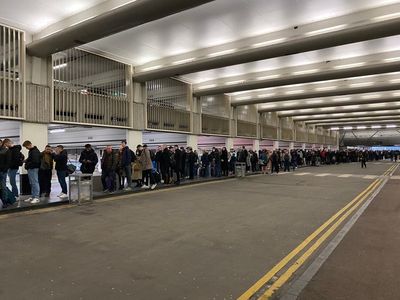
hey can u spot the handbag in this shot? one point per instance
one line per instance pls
(70, 168)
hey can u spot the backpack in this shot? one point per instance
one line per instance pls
(10, 200)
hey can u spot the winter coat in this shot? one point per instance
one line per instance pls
(33, 160)
(17, 158)
(4, 159)
(126, 157)
(88, 167)
(145, 159)
(61, 161)
(109, 161)
(46, 161)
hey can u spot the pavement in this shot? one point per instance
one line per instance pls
(212, 240)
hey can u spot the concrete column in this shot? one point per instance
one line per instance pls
(229, 143)
(191, 141)
(36, 133)
(303, 146)
(291, 145)
(134, 138)
(276, 145)
(256, 145)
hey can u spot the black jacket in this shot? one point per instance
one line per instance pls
(108, 162)
(178, 159)
(16, 157)
(88, 167)
(61, 161)
(4, 159)
(33, 160)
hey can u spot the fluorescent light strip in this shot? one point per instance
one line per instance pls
(397, 80)
(326, 30)
(387, 17)
(391, 126)
(371, 96)
(361, 84)
(268, 77)
(392, 59)
(314, 101)
(60, 66)
(343, 99)
(326, 88)
(234, 82)
(376, 126)
(334, 128)
(294, 92)
(361, 127)
(151, 68)
(243, 98)
(266, 95)
(347, 128)
(305, 72)
(347, 66)
(183, 61)
(268, 43)
(208, 86)
(223, 52)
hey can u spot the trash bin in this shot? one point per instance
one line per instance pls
(240, 169)
(80, 188)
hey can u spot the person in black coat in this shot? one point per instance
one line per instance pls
(88, 160)
(191, 158)
(61, 159)
(4, 165)
(178, 161)
(165, 164)
(16, 161)
(32, 165)
(224, 161)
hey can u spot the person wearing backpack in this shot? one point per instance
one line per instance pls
(16, 161)
(32, 165)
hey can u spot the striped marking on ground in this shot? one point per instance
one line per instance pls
(323, 174)
(395, 177)
(370, 176)
(302, 174)
(345, 175)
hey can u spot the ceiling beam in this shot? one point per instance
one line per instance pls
(378, 68)
(331, 116)
(330, 103)
(354, 119)
(107, 23)
(360, 123)
(318, 94)
(354, 34)
(338, 110)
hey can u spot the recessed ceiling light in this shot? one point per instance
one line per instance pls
(268, 77)
(325, 30)
(152, 68)
(268, 106)
(392, 59)
(361, 127)
(359, 113)
(377, 105)
(294, 92)
(347, 128)
(391, 126)
(288, 104)
(305, 72)
(360, 84)
(359, 64)
(183, 61)
(386, 17)
(396, 94)
(351, 106)
(376, 126)
(327, 108)
(208, 86)
(267, 43)
(397, 80)
(326, 88)
(334, 128)
(223, 52)
(342, 99)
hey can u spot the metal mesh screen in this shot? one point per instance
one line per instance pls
(11, 72)
(214, 125)
(269, 132)
(167, 105)
(89, 89)
(217, 105)
(246, 129)
(38, 103)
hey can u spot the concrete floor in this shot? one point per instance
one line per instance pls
(208, 241)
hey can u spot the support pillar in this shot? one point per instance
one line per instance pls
(36, 133)
(276, 145)
(134, 138)
(291, 145)
(229, 143)
(303, 146)
(256, 145)
(192, 141)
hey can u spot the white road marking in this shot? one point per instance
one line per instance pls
(323, 174)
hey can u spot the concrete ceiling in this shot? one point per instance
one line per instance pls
(310, 59)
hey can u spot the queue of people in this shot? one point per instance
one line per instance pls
(125, 169)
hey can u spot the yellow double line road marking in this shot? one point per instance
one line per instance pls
(346, 211)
